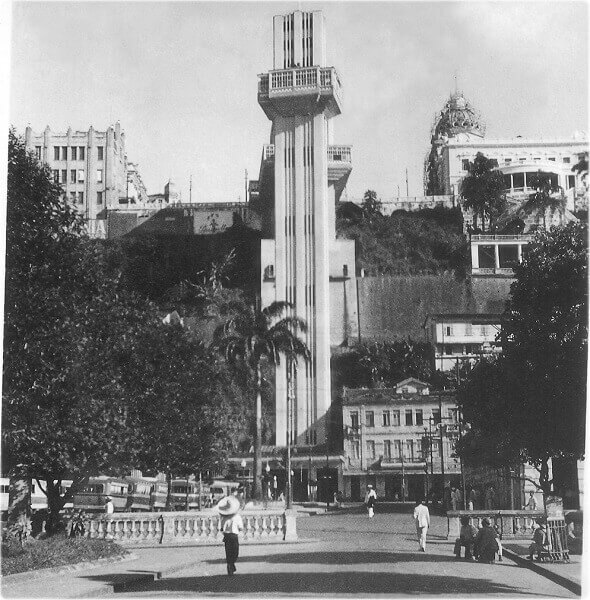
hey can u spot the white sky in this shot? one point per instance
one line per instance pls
(182, 79)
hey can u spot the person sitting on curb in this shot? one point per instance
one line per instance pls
(466, 539)
(539, 543)
(486, 544)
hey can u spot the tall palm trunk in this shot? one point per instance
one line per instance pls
(257, 483)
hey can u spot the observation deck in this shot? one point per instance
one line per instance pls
(300, 90)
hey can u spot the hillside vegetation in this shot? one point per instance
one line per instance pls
(427, 241)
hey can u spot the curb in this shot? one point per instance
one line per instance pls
(570, 585)
(15, 578)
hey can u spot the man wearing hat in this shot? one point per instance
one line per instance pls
(370, 500)
(231, 525)
(486, 544)
(539, 543)
(109, 508)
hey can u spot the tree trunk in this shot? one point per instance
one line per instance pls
(544, 481)
(168, 489)
(19, 505)
(257, 481)
(54, 505)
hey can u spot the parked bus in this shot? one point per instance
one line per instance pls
(92, 497)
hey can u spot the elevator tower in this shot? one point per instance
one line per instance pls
(301, 96)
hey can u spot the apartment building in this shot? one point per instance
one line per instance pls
(401, 440)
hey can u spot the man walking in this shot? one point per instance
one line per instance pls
(422, 521)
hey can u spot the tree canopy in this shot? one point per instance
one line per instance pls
(531, 402)
(93, 381)
(483, 190)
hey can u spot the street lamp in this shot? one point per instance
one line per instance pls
(243, 465)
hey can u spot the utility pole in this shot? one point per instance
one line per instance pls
(190, 190)
(407, 186)
(246, 185)
(442, 448)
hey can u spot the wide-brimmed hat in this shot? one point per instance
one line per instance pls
(229, 505)
(369, 486)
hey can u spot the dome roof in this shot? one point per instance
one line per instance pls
(458, 116)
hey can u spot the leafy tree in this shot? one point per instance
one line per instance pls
(547, 197)
(252, 337)
(483, 190)
(531, 402)
(371, 206)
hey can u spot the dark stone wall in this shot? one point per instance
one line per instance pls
(395, 306)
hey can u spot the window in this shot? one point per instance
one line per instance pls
(73, 176)
(80, 197)
(98, 198)
(395, 418)
(55, 175)
(269, 272)
(465, 164)
(552, 158)
(469, 329)
(64, 176)
(345, 270)
(571, 181)
(100, 152)
(507, 161)
(566, 159)
(447, 349)
(81, 152)
(73, 197)
(98, 175)
(419, 417)
(409, 417)
(64, 153)
(386, 420)
(410, 449)
(74, 152)
(370, 449)
(81, 175)
(370, 418)
(4, 489)
(355, 451)
(484, 330)
(354, 420)
(397, 449)
(386, 449)
(436, 416)
(38, 152)
(448, 330)
(55, 152)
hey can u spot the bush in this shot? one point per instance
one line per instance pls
(54, 551)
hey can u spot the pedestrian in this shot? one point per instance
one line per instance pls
(473, 499)
(486, 544)
(466, 539)
(422, 521)
(109, 507)
(454, 503)
(539, 543)
(231, 525)
(370, 499)
(531, 504)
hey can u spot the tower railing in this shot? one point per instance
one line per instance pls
(335, 153)
(299, 79)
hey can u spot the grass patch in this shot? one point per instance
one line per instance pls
(55, 551)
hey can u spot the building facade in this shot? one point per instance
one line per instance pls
(91, 166)
(462, 338)
(400, 440)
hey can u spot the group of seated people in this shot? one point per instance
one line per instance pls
(480, 544)
(484, 544)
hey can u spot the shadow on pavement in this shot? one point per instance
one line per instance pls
(332, 584)
(342, 558)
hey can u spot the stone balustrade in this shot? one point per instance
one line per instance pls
(196, 528)
(512, 524)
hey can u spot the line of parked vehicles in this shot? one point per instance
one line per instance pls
(135, 493)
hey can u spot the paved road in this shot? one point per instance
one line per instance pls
(353, 556)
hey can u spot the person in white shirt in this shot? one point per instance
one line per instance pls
(231, 525)
(422, 521)
(109, 508)
(370, 499)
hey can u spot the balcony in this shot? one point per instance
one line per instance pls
(339, 157)
(288, 92)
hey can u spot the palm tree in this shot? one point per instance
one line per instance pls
(483, 190)
(251, 337)
(546, 196)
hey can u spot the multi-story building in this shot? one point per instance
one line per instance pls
(460, 338)
(91, 167)
(401, 440)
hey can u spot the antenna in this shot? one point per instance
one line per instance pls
(190, 188)
(456, 86)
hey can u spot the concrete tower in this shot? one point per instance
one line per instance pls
(300, 96)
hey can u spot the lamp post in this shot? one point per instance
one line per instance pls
(243, 465)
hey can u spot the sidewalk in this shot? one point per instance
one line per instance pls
(567, 574)
(149, 564)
